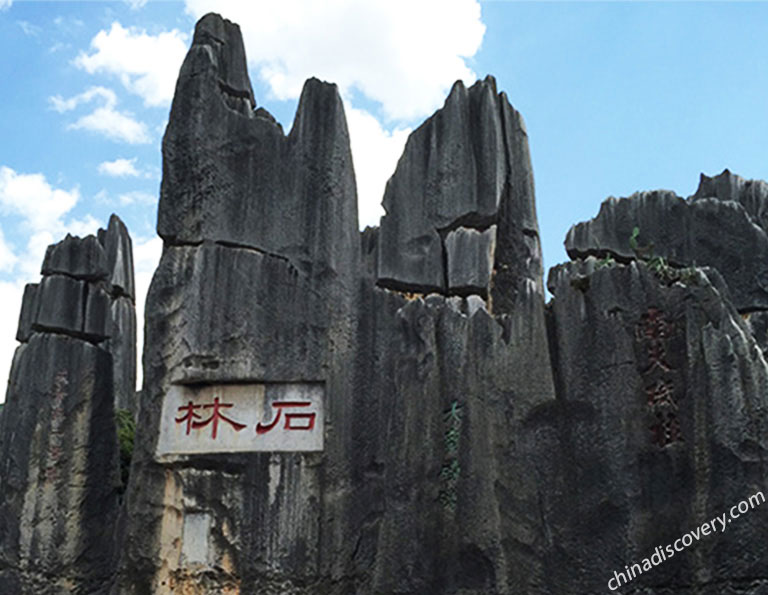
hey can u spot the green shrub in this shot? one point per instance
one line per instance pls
(126, 432)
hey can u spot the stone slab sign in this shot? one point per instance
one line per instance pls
(252, 417)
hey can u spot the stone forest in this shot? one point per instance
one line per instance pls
(402, 410)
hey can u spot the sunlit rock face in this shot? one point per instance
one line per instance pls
(59, 473)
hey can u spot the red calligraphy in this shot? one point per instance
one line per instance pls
(290, 418)
(216, 415)
(661, 394)
(191, 417)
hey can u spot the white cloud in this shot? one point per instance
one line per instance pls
(114, 125)
(5, 4)
(57, 47)
(42, 212)
(7, 256)
(136, 4)
(375, 153)
(68, 23)
(401, 53)
(104, 120)
(146, 256)
(146, 65)
(34, 199)
(29, 29)
(62, 105)
(137, 197)
(119, 168)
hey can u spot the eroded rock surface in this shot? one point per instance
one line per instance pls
(476, 441)
(718, 230)
(262, 279)
(463, 172)
(661, 425)
(59, 475)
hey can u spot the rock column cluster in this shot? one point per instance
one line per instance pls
(475, 440)
(59, 468)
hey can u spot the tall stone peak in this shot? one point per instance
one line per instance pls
(118, 250)
(76, 365)
(460, 206)
(224, 162)
(222, 38)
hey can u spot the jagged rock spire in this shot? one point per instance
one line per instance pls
(59, 476)
(460, 211)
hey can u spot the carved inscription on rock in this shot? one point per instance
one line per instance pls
(56, 432)
(254, 417)
(661, 383)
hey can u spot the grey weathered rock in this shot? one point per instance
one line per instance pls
(660, 425)
(122, 345)
(468, 165)
(758, 324)
(82, 259)
(285, 195)
(469, 259)
(59, 469)
(704, 231)
(118, 250)
(474, 440)
(262, 280)
(262, 262)
(72, 307)
(29, 308)
(751, 194)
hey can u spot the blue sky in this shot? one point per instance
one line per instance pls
(617, 97)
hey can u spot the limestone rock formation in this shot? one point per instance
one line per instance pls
(474, 441)
(706, 230)
(465, 173)
(397, 411)
(660, 425)
(262, 281)
(751, 194)
(59, 477)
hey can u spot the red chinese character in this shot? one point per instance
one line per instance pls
(661, 393)
(216, 416)
(667, 428)
(654, 326)
(189, 416)
(289, 417)
(656, 355)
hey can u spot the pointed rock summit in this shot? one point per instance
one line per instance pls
(233, 177)
(460, 211)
